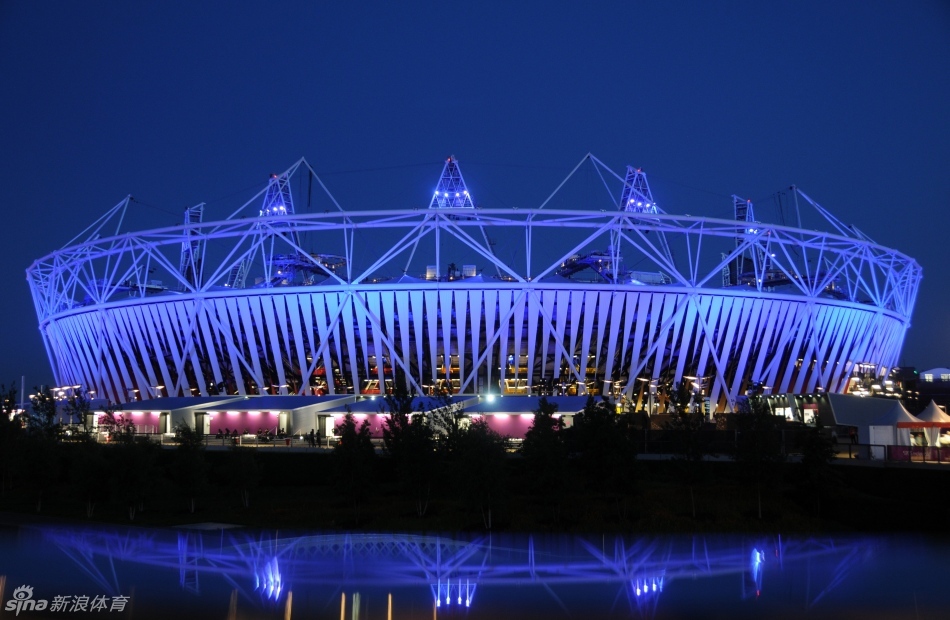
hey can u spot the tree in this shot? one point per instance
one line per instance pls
(89, 473)
(410, 443)
(118, 428)
(41, 419)
(354, 460)
(478, 465)
(189, 468)
(758, 444)
(690, 445)
(133, 472)
(680, 397)
(448, 423)
(818, 452)
(79, 406)
(605, 446)
(11, 430)
(545, 454)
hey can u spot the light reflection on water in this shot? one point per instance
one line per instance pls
(271, 574)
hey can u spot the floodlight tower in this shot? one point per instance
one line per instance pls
(637, 198)
(451, 191)
(755, 261)
(192, 250)
(278, 204)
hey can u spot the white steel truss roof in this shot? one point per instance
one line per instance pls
(117, 313)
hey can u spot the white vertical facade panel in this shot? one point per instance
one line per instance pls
(445, 313)
(662, 327)
(590, 307)
(387, 302)
(320, 311)
(504, 321)
(745, 338)
(800, 331)
(808, 347)
(630, 309)
(432, 333)
(280, 311)
(173, 343)
(563, 301)
(249, 341)
(401, 301)
(577, 307)
(238, 351)
(781, 333)
(548, 355)
(336, 304)
(517, 323)
(292, 306)
(603, 310)
(475, 315)
(347, 326)
(375, 326)
(134, 317)
(703, 305)
(461, 313)
(686, 339)
(533, 311)
(616, 321)
(356, 302)
(763, 336)
(418, 311)
(188, 315)
(653, 353)
(212, 346)
(491, 303)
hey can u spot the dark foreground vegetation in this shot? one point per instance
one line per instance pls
(446, 472)
(297, 491)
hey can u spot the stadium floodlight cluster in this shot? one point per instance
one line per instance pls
(463, 299)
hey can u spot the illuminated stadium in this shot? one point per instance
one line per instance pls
(596, 293)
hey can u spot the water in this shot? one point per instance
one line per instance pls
(237, 573)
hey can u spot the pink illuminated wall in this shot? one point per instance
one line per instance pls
(514, 425)
(376, 423)
(242, 420)
(144, 421)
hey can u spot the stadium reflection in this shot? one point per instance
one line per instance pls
(240, 573)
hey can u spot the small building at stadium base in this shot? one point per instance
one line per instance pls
(277, 415)
(162, 415)
(374, 410)
(512, 416)
(878, 422)
(509, 416)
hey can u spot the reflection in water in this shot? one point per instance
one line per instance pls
(271, 573)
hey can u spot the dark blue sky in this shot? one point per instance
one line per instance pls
(182, 102)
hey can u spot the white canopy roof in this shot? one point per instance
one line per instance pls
(934, 416)
(897, 416)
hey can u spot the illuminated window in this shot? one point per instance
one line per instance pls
(945, 377)
(928, 377)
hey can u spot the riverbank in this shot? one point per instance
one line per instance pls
(299, 491)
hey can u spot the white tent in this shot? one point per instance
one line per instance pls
(935, 420)
(893, 428)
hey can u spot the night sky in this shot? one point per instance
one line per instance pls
(178, 103)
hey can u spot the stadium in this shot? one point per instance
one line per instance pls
(604, 293)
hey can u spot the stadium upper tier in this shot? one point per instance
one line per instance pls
(625, 299)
